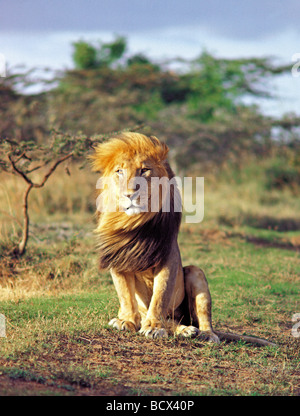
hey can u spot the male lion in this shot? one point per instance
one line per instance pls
(140, 247)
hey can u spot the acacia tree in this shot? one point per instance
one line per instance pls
(22, 158)
(87, 56)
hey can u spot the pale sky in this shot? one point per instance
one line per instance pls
(230, 18)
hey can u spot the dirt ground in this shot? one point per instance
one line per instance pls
(132, 366)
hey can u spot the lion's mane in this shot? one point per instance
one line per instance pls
(140, 242)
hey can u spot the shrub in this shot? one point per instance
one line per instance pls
(280, 174)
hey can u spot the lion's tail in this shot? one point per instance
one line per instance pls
(227, 336)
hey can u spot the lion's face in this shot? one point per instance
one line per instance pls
(133, 186)
(130, 167)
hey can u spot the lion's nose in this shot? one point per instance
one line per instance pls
(130, 195)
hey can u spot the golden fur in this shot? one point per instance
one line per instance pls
(141, 249)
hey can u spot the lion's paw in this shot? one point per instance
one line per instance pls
(209, 336)
(122, 325)
(154, 333)
(188, 331)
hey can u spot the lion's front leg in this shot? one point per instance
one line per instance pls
(129, 317)
(153, 326)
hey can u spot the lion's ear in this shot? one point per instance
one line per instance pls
(162, 148)
(155, 140)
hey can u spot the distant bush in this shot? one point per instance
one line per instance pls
(87, 56)
(280, 174)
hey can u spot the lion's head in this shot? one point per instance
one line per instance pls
(134, 228)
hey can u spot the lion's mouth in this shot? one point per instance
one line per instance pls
(133, 207)
(132, 210)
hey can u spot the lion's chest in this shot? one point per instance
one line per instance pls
(145, 278)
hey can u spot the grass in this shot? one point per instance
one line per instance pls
(57, 304)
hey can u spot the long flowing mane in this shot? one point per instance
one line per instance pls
(136, 244)
(139, 249)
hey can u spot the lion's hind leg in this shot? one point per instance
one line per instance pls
(199, 305)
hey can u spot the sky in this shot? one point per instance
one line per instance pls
(39, 33)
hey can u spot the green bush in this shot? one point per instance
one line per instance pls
(280, 174)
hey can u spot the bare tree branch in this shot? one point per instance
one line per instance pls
(18, 171)
(37, 167)
(23, 242)
(52, 169)
(31, 185)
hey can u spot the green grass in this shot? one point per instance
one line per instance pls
(263, 279)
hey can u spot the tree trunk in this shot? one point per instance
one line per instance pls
(23, 242)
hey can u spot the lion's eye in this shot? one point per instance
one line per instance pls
(119, 171)
(144, 170)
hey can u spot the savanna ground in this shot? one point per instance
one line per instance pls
(57, 304)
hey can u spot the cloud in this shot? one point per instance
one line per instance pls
(189, 42)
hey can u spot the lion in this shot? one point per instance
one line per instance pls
(140, 246)
(156, 293)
